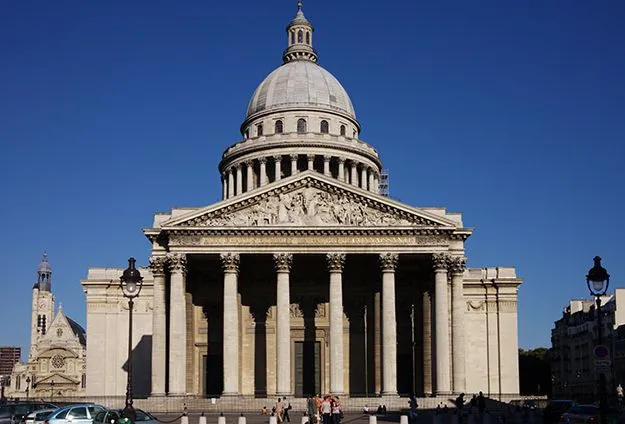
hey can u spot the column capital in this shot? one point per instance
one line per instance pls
(158, 265)
(283, 261)
(388, 261)
(230, 262)
(341, 160)
(262, 160)
(441, 261)
(277, 158)
(177, 262)
(237, 166)
(294, 156)
(457, 264)
(310, 157)
(249, 163)
(335, 261)
(327, 158)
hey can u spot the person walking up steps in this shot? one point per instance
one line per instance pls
(286, 405)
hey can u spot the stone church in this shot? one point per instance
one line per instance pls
(305, 278)
(56, 365)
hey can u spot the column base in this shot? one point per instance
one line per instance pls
(230, 394)
(444, 393)
(389, 393)
(157, 394)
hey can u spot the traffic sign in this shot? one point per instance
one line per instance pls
(601, 352)
(603, 366)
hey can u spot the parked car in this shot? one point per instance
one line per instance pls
(82, 413)
(38, 417)
(554, 410)
(13, 413)
(111, 416)
(588, 414)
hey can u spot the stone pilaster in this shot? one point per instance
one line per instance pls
(456, 267)
(441, 323)
(277, 161)
(159, 330)
(336, 261)
(388, 263)
(230, 263)
(177, 324)
(283, 262)
(224, 187)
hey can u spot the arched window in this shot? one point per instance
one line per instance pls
(301, 125)
(279, 128)
(343, 130)
(292, 37)
(324, 127)
(308, 38)
(300, 36)
(259, 130)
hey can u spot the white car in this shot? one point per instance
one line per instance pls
(38, 417)
(75, 414)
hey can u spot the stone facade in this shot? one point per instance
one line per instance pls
(56, 364)
(304, 278)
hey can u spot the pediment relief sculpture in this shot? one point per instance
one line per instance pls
(309, 206)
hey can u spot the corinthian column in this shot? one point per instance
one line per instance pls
(263, 171)
(277, 160)
(341, 175)
(388, 263)
(335, 266)
(159, 330)
(230, 183)
(326, 165)
(283, 263)
(354, 174)
(230, 264)
(250, 175)
(239, 168)
(177, 324)
(294, 164)
(441, 323)
(457, 265)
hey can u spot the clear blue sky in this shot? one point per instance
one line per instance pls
(511, 112)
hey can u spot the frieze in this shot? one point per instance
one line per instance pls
(505, 306)
(312, 240)
(309, 206)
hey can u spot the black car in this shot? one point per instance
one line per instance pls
(555, 409)
(13, 413)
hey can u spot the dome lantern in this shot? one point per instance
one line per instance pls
(299, 38)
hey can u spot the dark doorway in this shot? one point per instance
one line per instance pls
(307, 368)
(213, 375)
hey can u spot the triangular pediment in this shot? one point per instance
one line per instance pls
(306, 200)
(56, 379)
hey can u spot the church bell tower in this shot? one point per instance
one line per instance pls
(42, 305)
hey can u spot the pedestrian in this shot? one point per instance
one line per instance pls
(336, 411)
(473, 403)
(459, 403)
(413, 408)
(326, 410)
(286, 405)
(481, 403)
(279, 410)
(310, 410)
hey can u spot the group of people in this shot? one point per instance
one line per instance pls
(326, 410)
(477, 401)
(280, 410)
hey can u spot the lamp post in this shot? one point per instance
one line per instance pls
(598, 281)
(130, 283)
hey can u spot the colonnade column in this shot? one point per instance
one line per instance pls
(230, 183)
(457, 266)
(250, 174)
(177, 325)
(388, 262)
(224, 187)
(354, 174)
(283, 263)
(441, 323)
(159, 330)
(371, 180)
(326, 165)
(293, 164)
(341, 169)
(263, 171)
(239, 168)
(277, 160)
(311, 159)
(363, 178)
(335, 266)
(230, 264)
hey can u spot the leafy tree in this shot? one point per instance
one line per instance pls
(535, 371)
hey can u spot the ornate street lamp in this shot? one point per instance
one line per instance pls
(130, 283)
(598, 281)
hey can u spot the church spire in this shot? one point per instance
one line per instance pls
(44, 274)
(299, 32)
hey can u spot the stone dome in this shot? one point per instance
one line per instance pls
(300, 84)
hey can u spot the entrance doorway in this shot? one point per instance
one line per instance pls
(307, 368)
(213, 375)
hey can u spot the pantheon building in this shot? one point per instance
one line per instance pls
(306, 277)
